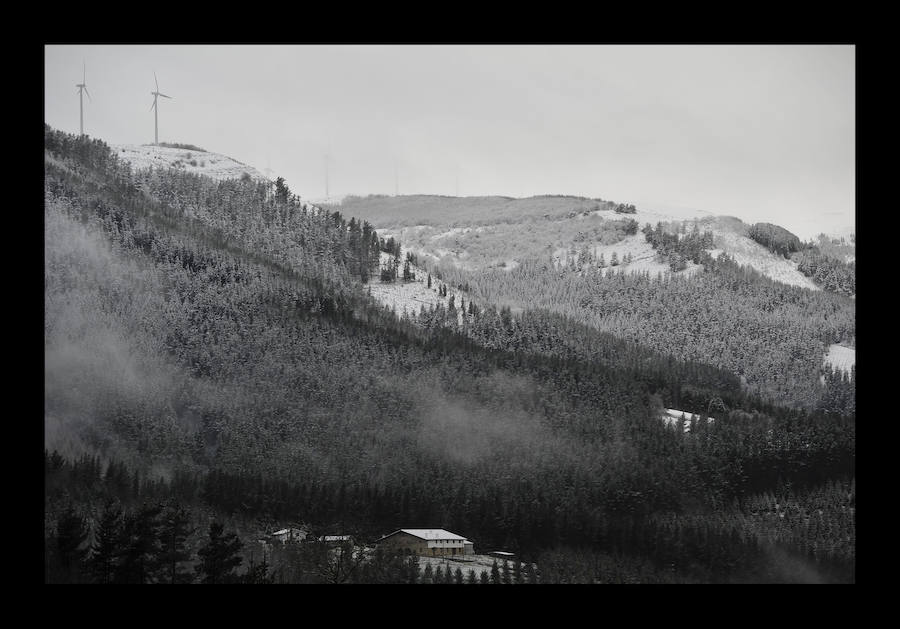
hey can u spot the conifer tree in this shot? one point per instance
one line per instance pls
(140, 546)
(517, 571)
(458, 576)
(71, 533)
(106, 549)
(257, 573)
(495, 574)
(428, 574)
(530, 574)
(219, 556)
(412, 569)
(174, 533)
(483, 578)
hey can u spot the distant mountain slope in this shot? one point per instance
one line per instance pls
(206, 163)
(400, 211)
(385, 211)
(501, 232)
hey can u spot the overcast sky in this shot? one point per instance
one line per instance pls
(766, 133)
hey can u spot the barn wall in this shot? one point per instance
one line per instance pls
(405, 541)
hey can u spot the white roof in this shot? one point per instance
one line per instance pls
(287, 531)
(430, 534)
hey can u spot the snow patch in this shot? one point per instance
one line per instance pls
(840, 357)
(672, 416)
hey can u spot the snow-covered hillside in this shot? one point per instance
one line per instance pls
(730, 238)
(504, 245)
(411, 296)
(747, 251)
(200, 162)
(643, 257)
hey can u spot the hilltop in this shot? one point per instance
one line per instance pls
(191, 160)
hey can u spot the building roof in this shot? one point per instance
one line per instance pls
(429, 534)
(288, 531)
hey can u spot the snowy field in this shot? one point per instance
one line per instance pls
(213, 165)
(466, 563)
(672, 416)
(840, 357)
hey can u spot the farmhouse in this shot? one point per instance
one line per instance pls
(427, 542)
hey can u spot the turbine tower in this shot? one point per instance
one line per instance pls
(156, 110)
(82, 90)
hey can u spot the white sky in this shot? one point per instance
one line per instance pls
(766, 133)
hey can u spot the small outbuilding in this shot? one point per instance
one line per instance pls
(502, 554)
(290, 535)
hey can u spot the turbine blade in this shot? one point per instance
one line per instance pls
(153, 104)
(83, 72)
(88, 93)
(157, 82)
(164, 96)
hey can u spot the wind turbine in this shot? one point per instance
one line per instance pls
(156, 110)
(82, 90)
